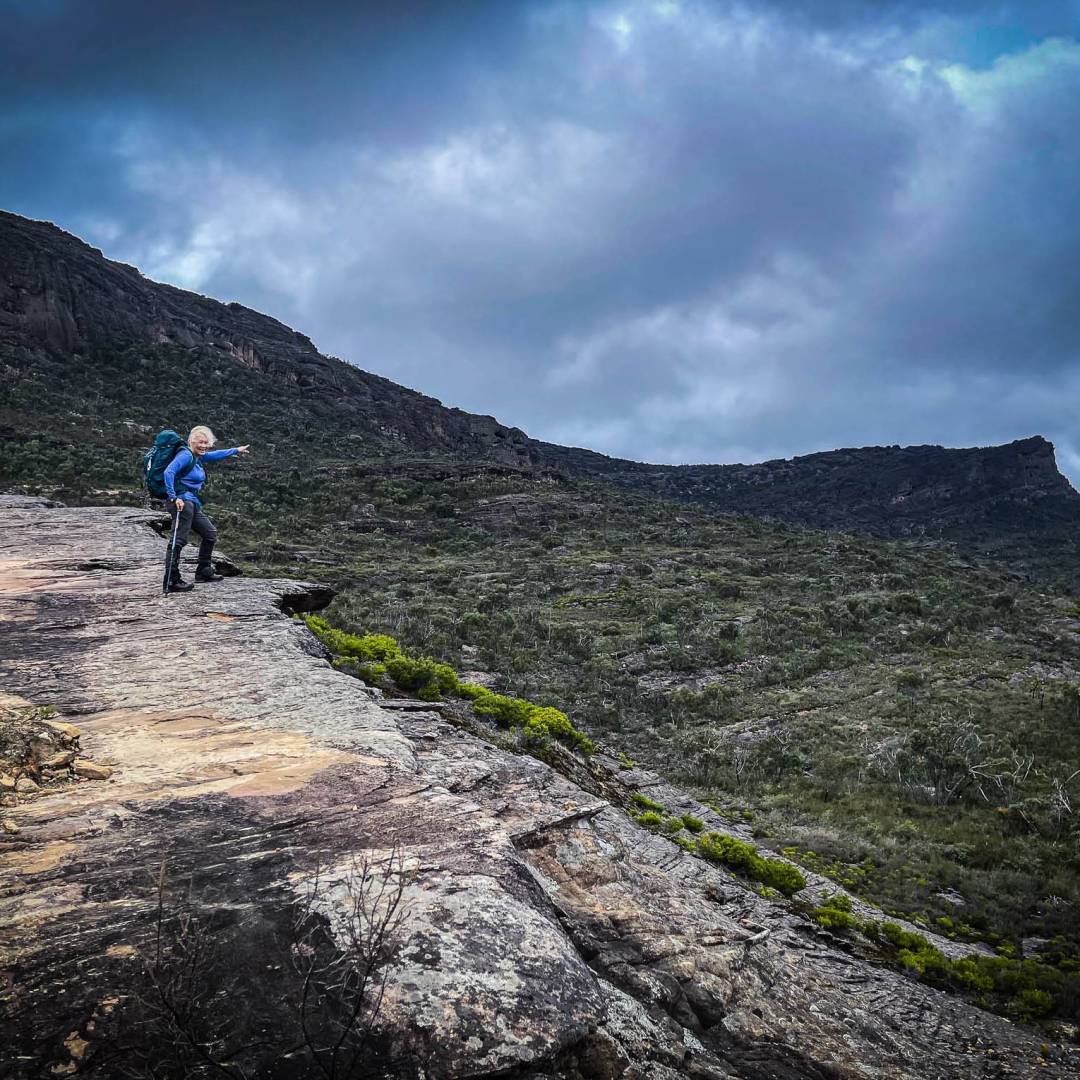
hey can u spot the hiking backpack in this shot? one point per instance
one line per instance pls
(156, 460)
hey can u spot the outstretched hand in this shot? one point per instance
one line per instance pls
(243, 449)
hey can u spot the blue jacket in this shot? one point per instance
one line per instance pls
(188, 487)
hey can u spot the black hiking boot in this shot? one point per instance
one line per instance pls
(205, 572)
(176, 582)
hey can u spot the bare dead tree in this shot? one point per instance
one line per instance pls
(1003, 777)
(1036, 689)
(941, 759)
(741, 757)
(883, 757)
(190, 1013)
(1062, 802)
(179, 1028)
(342, 982)
(706, 750)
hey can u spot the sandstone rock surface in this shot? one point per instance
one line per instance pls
(542, 932)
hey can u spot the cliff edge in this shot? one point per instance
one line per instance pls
(255, 790)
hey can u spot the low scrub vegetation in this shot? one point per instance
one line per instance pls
(903, 718)
(743, 857)
(834, 913)
(1024, 989)
(376, 658)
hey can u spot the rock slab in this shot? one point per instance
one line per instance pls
(540, 931)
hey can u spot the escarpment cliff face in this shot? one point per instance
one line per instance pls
(64, 309)
(265, 809)
(61, 297)
(65, 295)
(985, 493)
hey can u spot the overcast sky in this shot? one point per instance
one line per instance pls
(670, 231)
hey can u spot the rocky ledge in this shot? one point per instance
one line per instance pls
(269, 830)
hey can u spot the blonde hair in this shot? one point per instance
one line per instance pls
(201, 429)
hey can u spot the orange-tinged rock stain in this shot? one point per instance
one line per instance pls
(178, 753)
(158, 757)
(174, 755)
(35, 860)
(19, 577)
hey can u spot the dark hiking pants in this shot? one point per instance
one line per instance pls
(192, 518)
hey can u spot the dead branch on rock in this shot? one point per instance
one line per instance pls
(342, 982)
(183, 1024)
(212, 999)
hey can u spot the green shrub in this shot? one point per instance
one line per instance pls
(380, 656)
(650, 820)
(470, 691)
(907, 941)
(426, 677)
(542, 724)
(638, 799)
(368, 647)
(692, 824)
(969, 975)
(371, 672)
(870, 929)
(834, 913)
(911, 960)
(900, 938)
(783, 877)
(379, 647)
(506, 711)
(831, 919)
(742, 857)
(537, 724)
(1033, 1004)
(838, 902)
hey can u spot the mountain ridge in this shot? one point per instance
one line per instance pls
(64, 297)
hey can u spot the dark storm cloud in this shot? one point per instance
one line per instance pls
(670, 231)
(275, 63)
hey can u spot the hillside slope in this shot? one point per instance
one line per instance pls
(82, 335)
(172, 917)
(62, 300)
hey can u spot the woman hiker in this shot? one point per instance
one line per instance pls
(184, 479)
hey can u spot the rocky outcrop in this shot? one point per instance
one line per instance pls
(61, 297)
(39, 754)
(66, 296)
(985, 493)
(540, 931)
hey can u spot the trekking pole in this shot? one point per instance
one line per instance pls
(169, 551)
